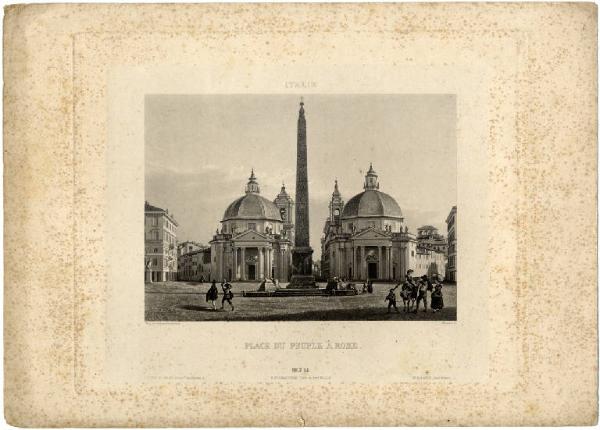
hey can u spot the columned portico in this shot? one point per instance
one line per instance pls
(256, 261)
(368, 257)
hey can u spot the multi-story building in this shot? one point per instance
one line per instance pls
(160, 243)
(451, 268)
(429, 238)
(195, 265)
(366, 239)
(187, 247)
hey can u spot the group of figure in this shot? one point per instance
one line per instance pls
(417, 290)
(213, 294)
(339, 284)
(344, 284)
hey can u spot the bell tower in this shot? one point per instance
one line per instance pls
(336, 206)
(285, 204)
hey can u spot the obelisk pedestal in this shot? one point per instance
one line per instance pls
(302, 276)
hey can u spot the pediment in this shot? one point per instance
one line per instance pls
(370, 233)
(251, 235)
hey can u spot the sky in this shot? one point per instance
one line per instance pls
(199, 150)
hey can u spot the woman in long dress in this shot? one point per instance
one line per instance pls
(437, 298)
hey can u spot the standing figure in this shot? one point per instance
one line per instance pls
(391, 299)
(422, 295)
(429, 290)
(212, 294)
(437, 298)
(370, 286)
(227, 294)
(413, 288)
(405, 294)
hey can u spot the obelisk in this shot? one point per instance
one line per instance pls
(302, 276)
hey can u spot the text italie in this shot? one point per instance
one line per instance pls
(300, 84)
(301, 345)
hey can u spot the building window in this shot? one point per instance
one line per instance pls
(412, 253)
(155, 261)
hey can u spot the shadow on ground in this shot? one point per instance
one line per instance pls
(196, 308)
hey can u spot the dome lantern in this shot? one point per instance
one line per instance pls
(252, 186)
(371, 182)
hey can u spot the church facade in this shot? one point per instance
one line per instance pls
(366, 238)
(255, 238)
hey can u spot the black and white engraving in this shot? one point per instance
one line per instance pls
(387, 251)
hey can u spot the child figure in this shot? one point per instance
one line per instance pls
(437, 298)
(391, 299)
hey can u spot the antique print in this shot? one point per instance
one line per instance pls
(279, 207)
(354, 215)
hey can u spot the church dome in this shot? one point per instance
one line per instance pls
(252, 205)
(372, 202)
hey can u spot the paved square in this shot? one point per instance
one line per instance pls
(185, 301)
